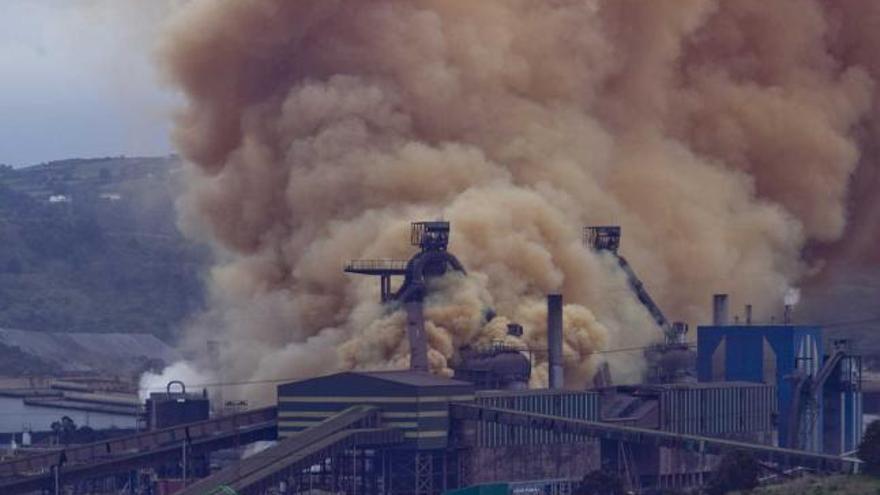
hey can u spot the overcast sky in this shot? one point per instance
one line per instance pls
(77, 79)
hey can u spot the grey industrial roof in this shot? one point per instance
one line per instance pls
(414, 378)
(532, 391)
(371, 383)
(705, 385)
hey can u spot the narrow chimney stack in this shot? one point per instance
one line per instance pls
(719, 310)
(554, 339)
(787, 314)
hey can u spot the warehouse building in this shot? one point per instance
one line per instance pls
(416, 402)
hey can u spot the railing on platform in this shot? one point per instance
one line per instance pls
(376, 266)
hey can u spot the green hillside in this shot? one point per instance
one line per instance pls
(841, 485)
(91, 245)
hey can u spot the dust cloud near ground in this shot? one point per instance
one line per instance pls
(721, 135)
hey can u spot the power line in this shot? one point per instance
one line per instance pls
(288, 379)
(688, 345)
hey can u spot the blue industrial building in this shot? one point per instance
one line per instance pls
(818, 392)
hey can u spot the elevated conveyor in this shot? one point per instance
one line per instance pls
(806, 394)
(606, 238)
(356, 426)
(144, 449)
(693, 443)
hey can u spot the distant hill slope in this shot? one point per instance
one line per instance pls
(91, 245)
(120, 354)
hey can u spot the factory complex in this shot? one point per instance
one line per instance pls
(779, 391)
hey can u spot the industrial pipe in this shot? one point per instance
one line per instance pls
(719, 310)
(418, 342)
(554, 339)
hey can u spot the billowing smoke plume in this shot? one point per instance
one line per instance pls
(721, 135)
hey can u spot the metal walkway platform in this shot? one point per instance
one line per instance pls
(377, 267)
(692, 443)
(356, 426)
(92, 460)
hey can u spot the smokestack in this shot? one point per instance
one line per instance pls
(415, 330)
(792, 296)
(719, 310)
(748, 314)
(554, 339)
(214, 360)
(786, 315)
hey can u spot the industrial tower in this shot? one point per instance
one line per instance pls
(431, 262)
(669, 360)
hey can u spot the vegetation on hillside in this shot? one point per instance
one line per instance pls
(600, 483)
(738, 470)
(831, 485)
(91, 246)
(869, 449)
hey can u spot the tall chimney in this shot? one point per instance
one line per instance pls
(415, 330)
(554, 339)
(748, 314)
(786, 315)
(217, 404)
(719, 310)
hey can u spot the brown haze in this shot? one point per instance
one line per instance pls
(722, 136)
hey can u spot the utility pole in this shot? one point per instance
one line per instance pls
(57, 467)
(183, 455)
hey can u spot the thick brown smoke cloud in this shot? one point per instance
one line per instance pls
(721, 135)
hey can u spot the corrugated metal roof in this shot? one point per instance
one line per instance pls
(375, 383)
(532, 391)
(706, 385)
(77, 405)
(414, 378)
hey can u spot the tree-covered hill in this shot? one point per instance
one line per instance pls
(91, 245)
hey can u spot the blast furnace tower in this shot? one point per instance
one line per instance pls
(432, 261)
